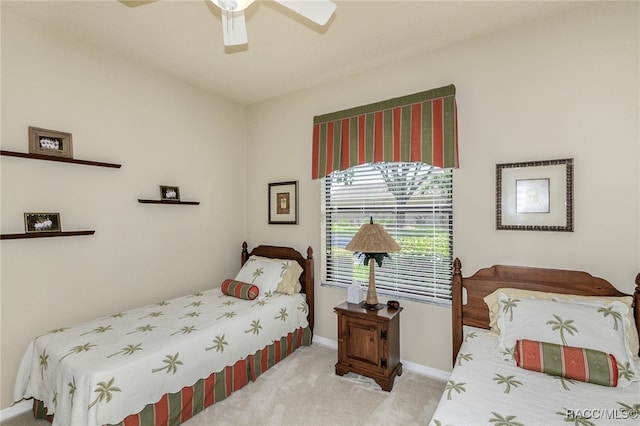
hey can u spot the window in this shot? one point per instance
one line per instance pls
(414, 202)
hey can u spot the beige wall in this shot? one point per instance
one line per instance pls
(564, 86)
(162, 132)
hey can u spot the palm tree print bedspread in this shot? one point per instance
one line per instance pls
(485, 389)
(100, 371)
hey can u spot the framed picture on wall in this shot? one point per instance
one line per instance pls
(50, 142)
(535, 196)
(169, 193)
(42, 222)
(283, 203)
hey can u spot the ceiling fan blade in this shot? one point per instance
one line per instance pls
(234, 28)
(318, 11)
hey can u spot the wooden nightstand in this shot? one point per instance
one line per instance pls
(369, 343)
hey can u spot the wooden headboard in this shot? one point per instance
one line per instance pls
(476, 313)
(277, 252)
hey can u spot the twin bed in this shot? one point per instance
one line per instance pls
(161, 364)
(500, 317)
(573, 338)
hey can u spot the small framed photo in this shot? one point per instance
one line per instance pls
(50, 142)
(169, 193)
(283, 203)
(42, 222)
(535, 196)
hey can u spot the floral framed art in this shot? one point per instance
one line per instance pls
(535, 196)
(283, 203)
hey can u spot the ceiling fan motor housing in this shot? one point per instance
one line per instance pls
(230, 5)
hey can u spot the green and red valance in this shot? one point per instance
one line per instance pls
(416, 128)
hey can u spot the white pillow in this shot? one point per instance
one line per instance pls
(632, 331)
(263, 272)
(571, 324)
(601, 301)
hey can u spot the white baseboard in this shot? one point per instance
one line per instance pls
(325, 342)
(16, 409)
(434, 373)
(412, 366)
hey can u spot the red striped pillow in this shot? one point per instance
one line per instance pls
(585, 365)
(239, 289)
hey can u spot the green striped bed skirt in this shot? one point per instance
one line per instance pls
(176, 408)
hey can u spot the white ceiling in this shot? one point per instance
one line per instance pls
(183, 38)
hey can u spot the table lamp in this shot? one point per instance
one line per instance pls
(372, 241)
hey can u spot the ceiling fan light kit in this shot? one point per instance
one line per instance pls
(230, 5)
(234, 28)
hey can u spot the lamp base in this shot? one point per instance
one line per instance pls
(371, 307)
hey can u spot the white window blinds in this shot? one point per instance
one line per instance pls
(414, 202)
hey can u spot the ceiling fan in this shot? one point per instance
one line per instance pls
(234, 28)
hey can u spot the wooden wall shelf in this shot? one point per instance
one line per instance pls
(59, 159)
(45, 234)
(190, 203)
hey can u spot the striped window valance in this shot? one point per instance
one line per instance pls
(416, 128)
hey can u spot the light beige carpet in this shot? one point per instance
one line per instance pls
(304, 390)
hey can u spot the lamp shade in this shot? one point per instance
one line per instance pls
(372, 238)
